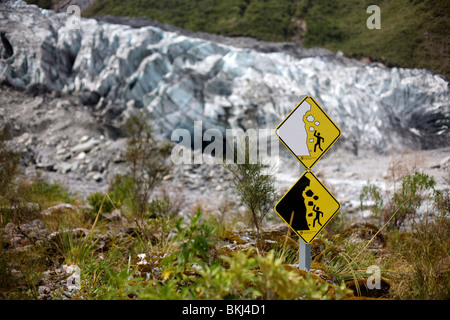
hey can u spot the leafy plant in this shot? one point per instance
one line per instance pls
(46, 193)
(260, 277)
(374, 193)
(404, 203)
(8, 173)
(255, 187)
(100, 203)
(161, 208)
(147, 158)
(194, 239)
(233, 282)
(121, 285)
(413, 192)
(121, 191)
(420, 260)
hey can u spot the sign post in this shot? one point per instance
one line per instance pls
(304, 256)
(308, 133)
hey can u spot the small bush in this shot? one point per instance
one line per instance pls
(160, 208)
(20, 200)
(254, 186)
(147, 158)
(373, 193)
(46, 193)
(403, 205)
(195, 239)
(421, 261)
(121, 191)
(6, 280)
(414, 190)
(419, 255)
(99, 201)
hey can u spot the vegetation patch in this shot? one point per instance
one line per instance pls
(413, 34)
(58, 247)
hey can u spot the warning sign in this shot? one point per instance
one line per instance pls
(307, 207)
(308, 132)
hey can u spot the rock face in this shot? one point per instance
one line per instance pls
(182, 79)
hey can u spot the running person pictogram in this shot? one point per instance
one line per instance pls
(318, 141)
(318, 214)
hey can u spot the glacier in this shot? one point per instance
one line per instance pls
(182, 79)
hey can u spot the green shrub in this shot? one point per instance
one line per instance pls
(418, 256)
(404, 202)
(194, 238)
(374, 193)
(99, 201)
(247, 276)
(420, 261)
(121, 191)
(47, 194)
(147, 158)
(160, 208)
(414, 190)
(255, 187)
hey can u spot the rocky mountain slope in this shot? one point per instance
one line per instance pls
(79, 80)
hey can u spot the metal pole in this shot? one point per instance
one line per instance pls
(304, 250)
(304, 256)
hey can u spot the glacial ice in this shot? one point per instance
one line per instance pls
(182, 79)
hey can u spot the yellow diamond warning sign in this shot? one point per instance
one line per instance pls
(307, 207)
(308, 132)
